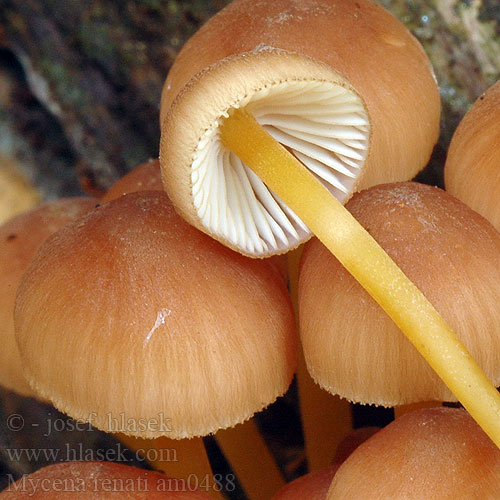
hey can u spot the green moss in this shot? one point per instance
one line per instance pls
(151, 4)
(17, 22)
(95, 41)
(489, 12)
(173, 8)
(62, 80)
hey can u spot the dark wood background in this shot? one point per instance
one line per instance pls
(80, 79)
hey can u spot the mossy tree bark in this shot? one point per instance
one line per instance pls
(93, 72)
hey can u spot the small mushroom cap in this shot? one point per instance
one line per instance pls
(452, 254)
(312, 486)
(131, 315)
(315, 485)
(434, 453)
(20, 238)
(145, 177)
(99, 481)
(352, 441)
(472, 170)
(284, 61)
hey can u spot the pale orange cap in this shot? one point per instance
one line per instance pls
(130, 316)
(144, 177)
(431, 454)
(100, 481)
(312, 486)
(20, 238)
(451, 253)
(472, 169)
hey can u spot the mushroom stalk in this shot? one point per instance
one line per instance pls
(189, 463)
(369, 264)
(326, 418)
(250, 458)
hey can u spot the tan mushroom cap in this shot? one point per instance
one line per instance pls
(472, 170)
(352, 441)
(312, 486)
(145, 177)
(20, 238)
(431, 454)
(322, 76)
(100, 481)
(315, 485)
(131, 314)
(352, 348)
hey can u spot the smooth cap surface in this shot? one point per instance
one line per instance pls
(432, 454)
(452, 254)
(472, 170)
(135, 321)
(99, 481)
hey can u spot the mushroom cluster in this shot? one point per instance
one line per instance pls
(167, 312)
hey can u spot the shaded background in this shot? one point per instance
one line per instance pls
(80, 84)
(80, 80)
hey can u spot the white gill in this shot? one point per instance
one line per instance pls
(323, 124)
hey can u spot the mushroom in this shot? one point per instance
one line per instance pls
(144, 177)
(325, 78)
(100, 481)
(239, 444)
(312, 486)
(315, 485)
(433, 453)
(326, 419)
(20, 237)
(352, 441)
(450, 252)
(472, 165)
(130, 314)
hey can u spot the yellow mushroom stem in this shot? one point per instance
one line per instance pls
(184, 459)
(369, 264)
(251, 460)
(326, 419)
(243, 446)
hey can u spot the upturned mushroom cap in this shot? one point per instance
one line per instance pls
(131, 315)
(99, 481)
(452, 254)
(435, 453)
(20, 238)
(472, 170)
(322, 77)
(145, 177)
